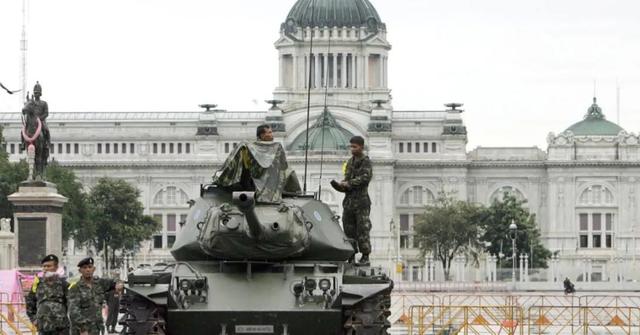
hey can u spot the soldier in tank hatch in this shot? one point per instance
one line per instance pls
(86, 297)
(356, 204)
(47, 300)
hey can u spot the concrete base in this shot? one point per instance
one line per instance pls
(38, 222)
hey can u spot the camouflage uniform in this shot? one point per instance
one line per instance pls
(356, 204)
(47, 305)
(85, 305)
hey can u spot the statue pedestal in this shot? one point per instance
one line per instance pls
(38, 222)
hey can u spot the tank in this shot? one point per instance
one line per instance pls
(256, 256)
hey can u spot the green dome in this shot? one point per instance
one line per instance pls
(333, 13)
(594, 124)
(335, 138)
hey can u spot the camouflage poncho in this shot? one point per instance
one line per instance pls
(261, 167)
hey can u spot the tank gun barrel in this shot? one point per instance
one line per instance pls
(245, 201)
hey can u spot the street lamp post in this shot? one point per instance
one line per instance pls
(513, 231)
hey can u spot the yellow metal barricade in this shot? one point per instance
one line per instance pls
(445, 320)
(583, 320)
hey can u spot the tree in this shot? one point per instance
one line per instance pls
(11, 174)
(496, 223)
(449, 228)
(75, 221)
(118, 217)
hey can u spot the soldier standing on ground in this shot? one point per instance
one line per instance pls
(47, 300)
(356, 204)
(85, 300)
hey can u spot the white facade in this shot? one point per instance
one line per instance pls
(583, 188)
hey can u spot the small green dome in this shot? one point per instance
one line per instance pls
(333, 13)
(595, 124)
(335, 138)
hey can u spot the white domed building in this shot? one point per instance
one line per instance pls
(584, 188)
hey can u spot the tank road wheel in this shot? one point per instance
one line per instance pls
(369, 317)
(141, 317)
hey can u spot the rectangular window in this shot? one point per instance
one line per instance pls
(584, 241)
(68, 148)
(171, 222)
(170, 148)
(171, 239)
(434, 147)
(52, 148)
(132, 148)
(226, 148)
(60, 148)
(187, 148)
(415, 275)
(596, 222)
(107, 148)
(597, 243)
(124, 148)
(76, 148)
(158, 218)
(609, 221)
(401, 147)
(13, 148)
(404, 222)
(425, 147)
(179, 148)
(609, 240)
(99, 148)
(404, 241)
(115, 148)
(408, 146)
(235, 145)
(584, 222)
(163, 148)
(157, 241)
(183, 219)
(155, 148)
(417, 147)
(416, 241)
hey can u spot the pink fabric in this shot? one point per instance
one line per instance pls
(10, 288)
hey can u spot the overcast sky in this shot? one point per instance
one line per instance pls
(522, 68)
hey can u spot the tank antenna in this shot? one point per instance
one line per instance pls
(306, 146)
(325, 111)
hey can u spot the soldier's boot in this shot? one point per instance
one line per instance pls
(364, 260)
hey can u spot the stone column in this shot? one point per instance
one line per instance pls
(281, 71)
(381, 63)
(344, 73)
(38, 222)
(294, 83)
(354, 78)
(317, 71)
(365, 77)
(326, 71)
(7, 245)
(335, 70)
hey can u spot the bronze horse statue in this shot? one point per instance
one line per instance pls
(35, 133)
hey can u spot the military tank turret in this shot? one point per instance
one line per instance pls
(256, 256)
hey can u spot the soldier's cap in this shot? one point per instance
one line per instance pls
(86, 261)
(49, 258)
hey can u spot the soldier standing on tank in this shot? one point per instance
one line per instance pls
(356, 204)
(85, 300)
(47, 300)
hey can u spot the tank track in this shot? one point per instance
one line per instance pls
(369, 317)
(141, 316)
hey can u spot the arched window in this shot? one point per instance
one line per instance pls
(416, 196)
(597, 195)
(498, 195)
(171, 196)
